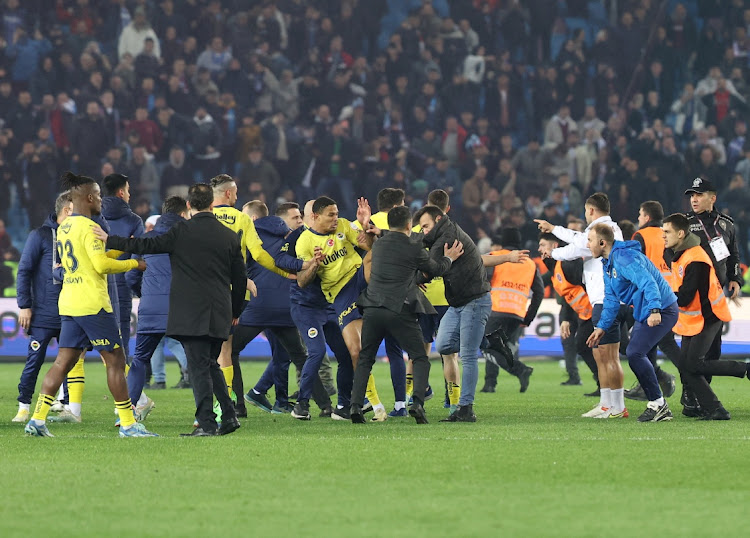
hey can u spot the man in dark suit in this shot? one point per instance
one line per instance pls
(391, 303)
(205, 299)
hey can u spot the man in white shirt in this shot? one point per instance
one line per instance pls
(612, 399)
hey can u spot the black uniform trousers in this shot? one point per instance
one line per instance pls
(202, 354)
(377, 322)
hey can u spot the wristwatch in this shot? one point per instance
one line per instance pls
(656, 310)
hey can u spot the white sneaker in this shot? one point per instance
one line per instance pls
(22, 416)
(142, 411)
(596, 411)
(57, 407)
(606, 414)
(65, 416)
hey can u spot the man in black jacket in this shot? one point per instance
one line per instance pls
(391, 303)
(205, 299)
(467, 291)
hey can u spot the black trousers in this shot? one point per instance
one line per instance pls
(512, 328)
(378, 322)
(202, 354)
(584, 330)
(292, 342)
(695, 365)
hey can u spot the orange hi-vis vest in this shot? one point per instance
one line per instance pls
(690, 321)
(653, 237)
(573, 294)
(511, 286)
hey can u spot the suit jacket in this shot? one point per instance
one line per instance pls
(393, 283)
(208, 274)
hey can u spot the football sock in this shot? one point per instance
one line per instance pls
(228, 372)
(454, 393)
(24, 406)
(606, 399)
(399, 405)
(409, 385)
(618, 399)
(125, 410)
(371, 393)
(659, 401)
(43, 403)
(76, 384)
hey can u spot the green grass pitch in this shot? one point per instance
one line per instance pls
(529, 467)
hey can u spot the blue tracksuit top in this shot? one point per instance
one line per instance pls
(153, 284)
(123, 223)
(271, 307)
(631, 278)
(35, 286)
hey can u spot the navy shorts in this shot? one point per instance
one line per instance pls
(612, 336)
(99, 331)
(429, 323)
(345, 303)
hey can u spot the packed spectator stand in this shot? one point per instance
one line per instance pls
(518, 109)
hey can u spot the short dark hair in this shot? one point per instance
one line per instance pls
(389, 198)
(113, 183)
(604, 232)
(548, 236)
(439, 198)
(654, 210)
(678, 222)
(63, 199)
(174, 204)
(321, 203)
(599, 201)
(430, 210)
(628, 228)
(286, 207)
(71, 181)
(200, 196)
(399, 218)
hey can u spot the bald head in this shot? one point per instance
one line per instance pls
(307, 216)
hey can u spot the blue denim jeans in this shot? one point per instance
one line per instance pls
(462, 330)
(158, 363)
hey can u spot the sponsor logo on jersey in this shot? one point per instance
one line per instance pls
(312, 332)
(346, 313)
(100, 342)
(34, 345)
(335, 255)
(229, 219)
(354, 226)
(330, 242)
(65, 226)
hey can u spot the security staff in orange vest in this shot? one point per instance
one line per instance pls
(511, 290)
(575, 315)
(651, 239)
(703, 308)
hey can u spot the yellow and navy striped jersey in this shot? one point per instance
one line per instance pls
(244, 227)
(341, 259)
(86, 264)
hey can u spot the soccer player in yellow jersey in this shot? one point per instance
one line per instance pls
(225, 196)
(85, 308)
(332, 241)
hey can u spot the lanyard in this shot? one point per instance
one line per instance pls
(703, 227)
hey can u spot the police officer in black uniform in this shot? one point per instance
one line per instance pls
(719, 239)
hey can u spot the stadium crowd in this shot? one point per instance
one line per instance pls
(516, 109)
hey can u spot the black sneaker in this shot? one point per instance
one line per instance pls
(690, 406)
(488, 388)
(159, 385)
(718, 414)
(240, 410)
(464, 413)
(301, 410)
(355, 414)
(666, 383)
(342, 413)
(596, 394)
(326, 412)
(654, 413)
(417, 411)
(499, 343)
(636, 392)
(524, 378)
(572, 381)
(183, 384)
(294, 396)
(258, 400)
(282, 408)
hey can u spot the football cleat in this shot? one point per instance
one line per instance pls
(22, 416)
(57, 407)
(380, 415)
(142, 411)
(136, 430)
(37, 429)
(622, 414)
(656, 413)
(595, 412)
(67, 417)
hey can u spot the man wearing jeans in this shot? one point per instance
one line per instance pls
(467, 291)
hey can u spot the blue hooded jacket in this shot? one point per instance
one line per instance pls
(124, 223)
(153, 284)
(271, 307)
(36, 288)
(631, 278)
